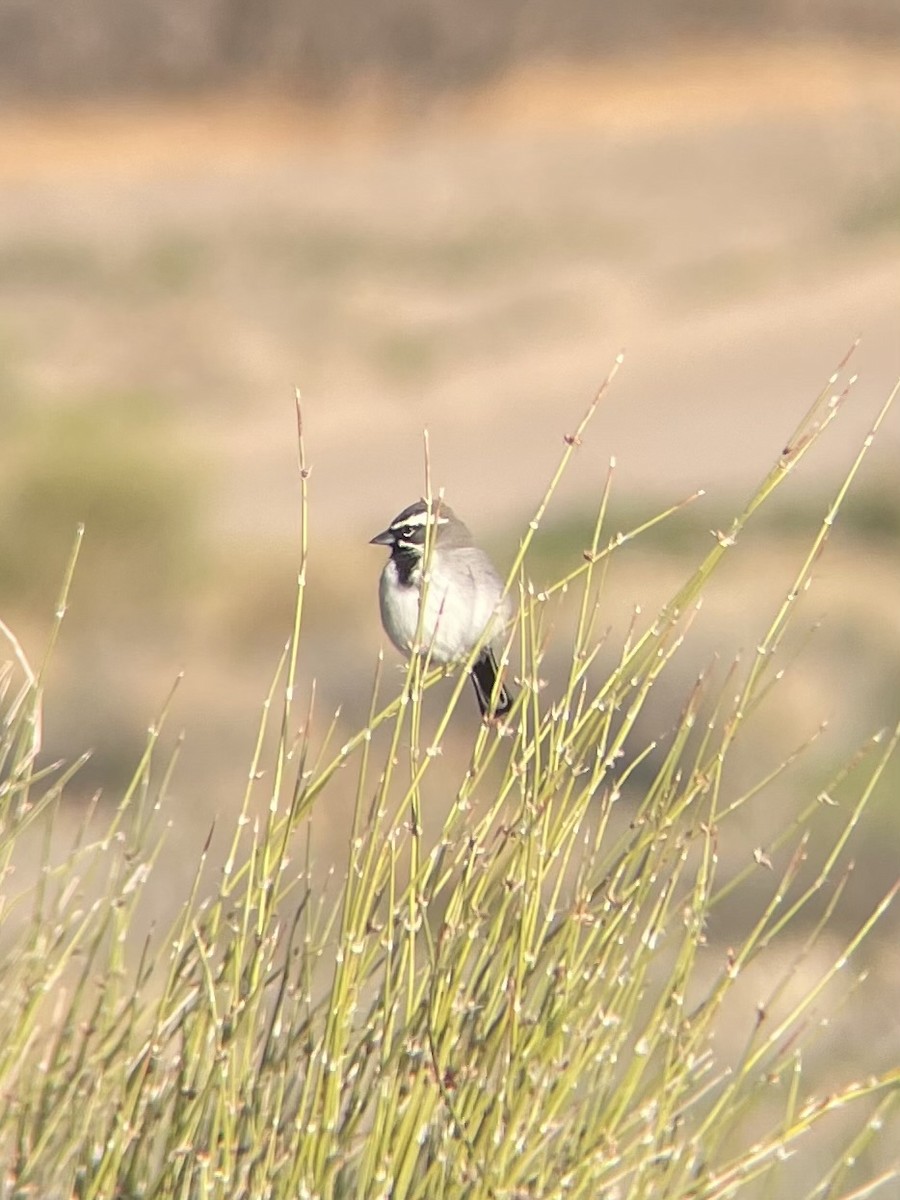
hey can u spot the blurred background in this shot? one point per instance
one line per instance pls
(452, 216)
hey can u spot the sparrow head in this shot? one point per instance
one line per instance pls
(406, 533)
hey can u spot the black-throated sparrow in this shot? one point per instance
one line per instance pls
(464, 598)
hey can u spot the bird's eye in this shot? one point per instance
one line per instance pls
(407, 532)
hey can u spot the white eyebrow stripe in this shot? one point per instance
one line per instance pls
(414, 520)
(418, 519)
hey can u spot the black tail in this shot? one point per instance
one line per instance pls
(484, 677)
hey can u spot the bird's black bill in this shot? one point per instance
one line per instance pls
(385, 538)
(484, 676)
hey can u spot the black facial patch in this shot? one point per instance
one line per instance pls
(407, 559)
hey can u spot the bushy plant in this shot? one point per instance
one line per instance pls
(524, 1006)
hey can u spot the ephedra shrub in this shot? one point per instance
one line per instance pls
(524, 1004)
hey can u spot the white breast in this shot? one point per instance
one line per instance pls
(462, 601)
(399, 608)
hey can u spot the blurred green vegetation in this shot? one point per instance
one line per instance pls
(876, 211)
(174, 261)
(50, 262)
(406, 355)
(112, 463)
(870, 516)
(727, 275)
(461, 251)
(171, 262)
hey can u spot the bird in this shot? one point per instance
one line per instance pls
(464, 601)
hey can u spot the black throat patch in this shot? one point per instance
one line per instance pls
(407, 560)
